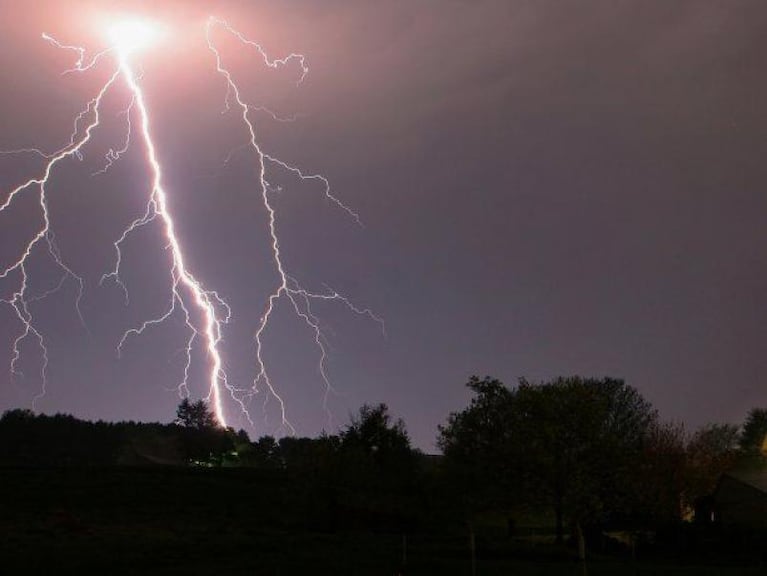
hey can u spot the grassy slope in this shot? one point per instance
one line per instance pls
(216, 522)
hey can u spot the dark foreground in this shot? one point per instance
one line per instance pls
(220, 522)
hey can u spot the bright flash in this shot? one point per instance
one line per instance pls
(132, 35)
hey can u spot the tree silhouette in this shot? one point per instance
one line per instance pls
(659, 483)
(195, 415)
(204, 442)
(572, 443)
(711, 451)
(753, 438)
(478, 443)
(376, 470)
(373, 431)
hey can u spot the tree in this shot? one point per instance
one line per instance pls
(308, 455)
(711, 451)
(477, 443)
(753, 439)
(195, 415)
(572, 443)
(659, 483)
(377, 446)
(580, 441)
(264, 453)
(204, 441)
(377, 469)
(374, 432)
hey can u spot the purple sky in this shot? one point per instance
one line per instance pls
(547, 188)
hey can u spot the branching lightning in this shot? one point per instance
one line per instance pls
(20, 300)
(205, 313)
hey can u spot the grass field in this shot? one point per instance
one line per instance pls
(219, 522)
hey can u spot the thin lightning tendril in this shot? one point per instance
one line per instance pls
(288, 287)
(20, 301)
(204, 312)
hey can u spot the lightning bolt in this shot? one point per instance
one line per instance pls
(204, 312)
(208, 302)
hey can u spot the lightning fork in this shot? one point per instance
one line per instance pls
(19, 300)
(205, 313)
(207, 302)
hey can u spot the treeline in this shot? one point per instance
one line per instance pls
(27, 439)
(591, 452)
(366, 477)
(195, 438)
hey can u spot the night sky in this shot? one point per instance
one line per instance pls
(547, 188)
